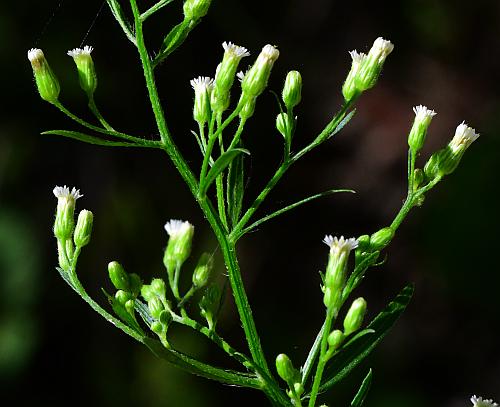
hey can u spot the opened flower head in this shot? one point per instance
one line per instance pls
(64, 193)
(235, 50)
(479, 402)
(35, 54)
(175, 228)
(422, 113)
(357, 58)
(380, 49)
(202, 84)
(338, 246)
(464, 137)
(81, 52)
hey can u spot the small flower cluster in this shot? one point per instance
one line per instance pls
(479, 402)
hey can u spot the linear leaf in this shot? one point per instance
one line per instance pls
(220, 165)
(357, 349)
(341, 125)
(76, 135)
(360, 396)
(235, 188)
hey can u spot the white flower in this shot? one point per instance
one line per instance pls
(85, 51)
(175, 228)
(270, 52)
(65, 193)
(202, 84)
(479, 402)
(35, 54)
(464, 136)
(357, 59)
(422, 113)
(380, 49)
(237, 51)
(340, 245)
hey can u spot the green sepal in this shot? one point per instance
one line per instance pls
(235, 188)
(353, 352)
(360, 396)
(122, 313)
(220, 165)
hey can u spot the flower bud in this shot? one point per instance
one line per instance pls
(284, 124)
(122, 296)
(209, 304)
(130, 306)
(292, 91)
(371, 67)
(418, 178)
(157, 327)
(285, 369)
(219, 102)
(355, 316)
(64, 262)
(135, 284)
(335, 339)
(165, 317)
(226, 71)
(255, 80)
(155, 307)
(158, 287)
(381, 238)
(203, 87)
(86, 69)
(349, 89)
(147, 292)
(65, 212)
(46, 80)
(202, 271)
(423, 117)
(83, 228)
(118, 276)
(179, 243)
(337, 261)
(196, 9)
(248, 109)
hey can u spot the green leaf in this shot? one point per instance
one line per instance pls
(351, 354)
(220, 165)
(89, 139)
(174, 39)
(235, 189)
(360, 396)
(357, 275)
(341, 125)
(293, 206)
(196, 367)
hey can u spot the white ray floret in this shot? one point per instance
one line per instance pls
(464, 137)
(422, 113)
(175, 227)
(381, 48)
(479, 402)
(338, 245)
(357, 58)
(65, 193)
(86, 50)
(35, 54)
(202, 83)
(234, 49)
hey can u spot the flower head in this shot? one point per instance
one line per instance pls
(418, 132)
(340, 245)
(371, 66)
(65, 193)
(464, 137)
(255, 80)
(176, 228)
(479, 402)
(236, 50)
(202, 83)
(203, 87)
(85, 67)
(46, 81)
(65, 222)
(81, 52)
(380, 49)
(422, 113)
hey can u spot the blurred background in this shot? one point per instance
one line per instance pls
(54, 350)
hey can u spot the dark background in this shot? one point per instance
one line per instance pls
(55, 351)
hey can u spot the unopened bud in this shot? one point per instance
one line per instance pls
(381, 238)
(86, 69)
(158, 287)
(418, 178)
(46, 80)
(292, 91)
(64, 261)
(179, 243)
(155, 307)
(349, 89)
(255, 80)
(135, 284)
(355, 316)
(130, 306)
(196, 9)
(335, 339)
(423, 117)
(371, 67)
(65, 213)
(285, 369)
(284, 124)
(157, 327)
(202, 271)
(83, 228)
(248, 109)
(203, 87)
(118, 276)
(122, 296)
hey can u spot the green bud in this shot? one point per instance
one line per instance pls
(418, 178)
(65, 212)
(155, 307)
(86, 69)
(371, 66)
(423, 117)
(135, 284)
(335, 339)
(165, 317)
(179, 244)
(157, 327)
(202, 271)
(381, 238)
(331, 297)
(292, 91)
(203, 87)
(130, 306)
(431, 169)
(118, 276)
(46, 80)
(83, 228)
(349, 89)
(122, 296)
(284, 124)
(147, 293)
(248, 109)
(255, 80)
(299, 389)
(285, 369)
(337, 261)
(219, 102)
(226, 71)
(355, 316)
(196, 9)
(363, 243)
(158, 287)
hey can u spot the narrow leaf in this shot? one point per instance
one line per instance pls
(220, 165)
(293, 206)
(89, 139)
(360, 396)
(341, 125)
(359, 271)
(359, 348)
(235, 188)
(196, 367)
(174, 39)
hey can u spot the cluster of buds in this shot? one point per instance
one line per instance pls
(290, 375)
(291, 95)
(446, 160)
(155, 294)
(128, 286)
(67, 234)
(365, 69)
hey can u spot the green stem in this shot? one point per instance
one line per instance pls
(97, 113)
(118, 14)
(322, 356)
(153, 9)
